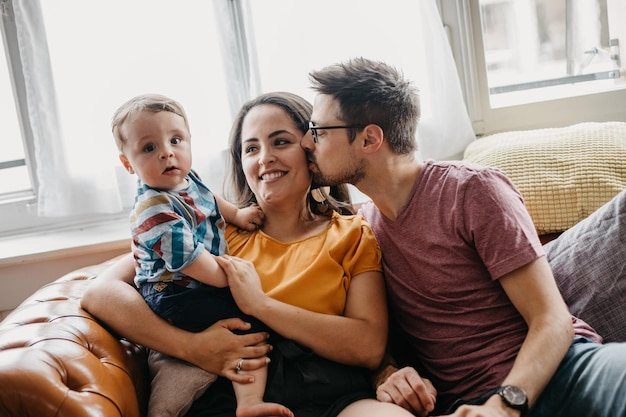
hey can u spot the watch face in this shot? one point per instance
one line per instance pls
(514, 395)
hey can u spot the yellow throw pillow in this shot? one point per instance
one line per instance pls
(564, 174)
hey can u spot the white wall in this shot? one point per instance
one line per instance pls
(29, 262)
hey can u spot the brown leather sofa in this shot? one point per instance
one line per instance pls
(57, 360)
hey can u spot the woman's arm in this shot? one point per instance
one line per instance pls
(356, 338)
(113, 299)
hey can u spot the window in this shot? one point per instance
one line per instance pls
(15, 179)
(96, 64)
(545, 49)
(156, 46)
(118, 49)
(539, 63)
(336, 34)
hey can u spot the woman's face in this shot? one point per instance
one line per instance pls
(274, 163)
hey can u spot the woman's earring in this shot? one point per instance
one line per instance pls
(319, 197)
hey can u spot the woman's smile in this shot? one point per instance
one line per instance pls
(272, 175)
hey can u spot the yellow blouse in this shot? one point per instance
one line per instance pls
(313, 273)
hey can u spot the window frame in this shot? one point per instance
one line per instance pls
(14, 63)
(462, 20)
(19, 211)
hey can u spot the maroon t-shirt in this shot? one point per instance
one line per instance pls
(463, 227)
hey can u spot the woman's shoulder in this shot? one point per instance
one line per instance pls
(347, 224)
(353, 234)
(347, 219)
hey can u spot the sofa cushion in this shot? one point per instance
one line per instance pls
(564, 174)
(57, 360)
(590, 269)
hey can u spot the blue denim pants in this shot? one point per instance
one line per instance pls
(195, 309)
(590, 382)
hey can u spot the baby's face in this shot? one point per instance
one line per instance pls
(158, 149)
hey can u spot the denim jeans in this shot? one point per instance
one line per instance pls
(590, 382)
(195, 309)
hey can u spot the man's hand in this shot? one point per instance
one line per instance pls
(218, 350)
(406, 388)
(494, 407)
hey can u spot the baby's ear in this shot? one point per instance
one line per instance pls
(126, 164)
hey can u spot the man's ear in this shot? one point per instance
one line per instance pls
(373, 138)
(126, 164)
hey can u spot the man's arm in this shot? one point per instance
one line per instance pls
(113, 299)
(534, 293)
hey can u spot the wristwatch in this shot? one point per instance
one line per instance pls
(514, 397)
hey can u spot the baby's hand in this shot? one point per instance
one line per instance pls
(249, 218)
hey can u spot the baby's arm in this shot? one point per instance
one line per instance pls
(206, 270)
(247, 218)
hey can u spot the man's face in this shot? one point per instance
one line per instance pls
(333, 159)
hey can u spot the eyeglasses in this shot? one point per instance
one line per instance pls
(314, 129)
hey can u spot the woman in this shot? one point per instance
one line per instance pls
(320, 287)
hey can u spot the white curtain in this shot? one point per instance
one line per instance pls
(89, 184)
(406, 34)
(448, 129)
(238, 52)
(62, 191)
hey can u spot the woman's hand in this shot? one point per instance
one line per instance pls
(219, 350)
(112, 298)
(244, 283)
(406, 388)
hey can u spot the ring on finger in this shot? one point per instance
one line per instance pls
(239, 365)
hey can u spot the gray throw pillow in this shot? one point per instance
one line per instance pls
(589, 265)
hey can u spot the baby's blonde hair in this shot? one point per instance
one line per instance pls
(145, 102)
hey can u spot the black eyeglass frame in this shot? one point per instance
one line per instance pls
(314, 129)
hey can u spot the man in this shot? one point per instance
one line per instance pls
(469, 284)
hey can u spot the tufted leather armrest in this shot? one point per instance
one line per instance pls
(57, 360)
